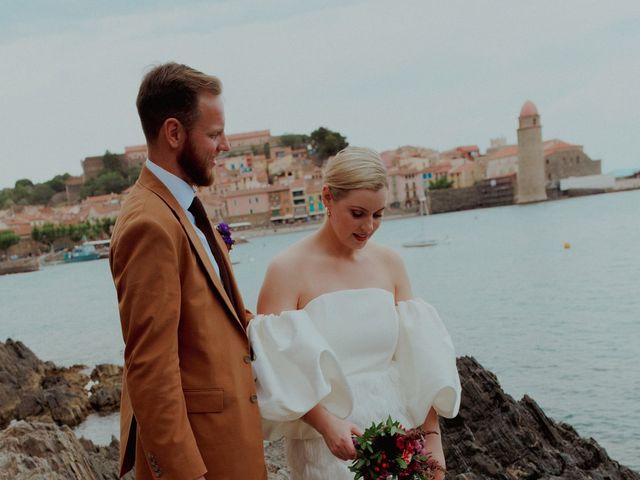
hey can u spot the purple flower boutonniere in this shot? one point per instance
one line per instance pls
(225, 232)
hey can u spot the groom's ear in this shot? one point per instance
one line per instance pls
(173, 132)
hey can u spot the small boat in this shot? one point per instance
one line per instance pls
(82, 253)
(420, 243)
(102, 246)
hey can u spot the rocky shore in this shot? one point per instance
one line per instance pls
(493, 437)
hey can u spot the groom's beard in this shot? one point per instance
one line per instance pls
(197, 167)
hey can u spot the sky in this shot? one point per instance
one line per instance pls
(384, 73)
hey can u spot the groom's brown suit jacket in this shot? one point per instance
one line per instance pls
(188, 394)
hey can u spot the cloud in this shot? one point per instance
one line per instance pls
(384, 73)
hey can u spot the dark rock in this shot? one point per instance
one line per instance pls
(495, 437)
(20, 373)
(105, 394)
(60, 395)
(31, 389)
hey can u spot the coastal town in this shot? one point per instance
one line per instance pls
(268, 181)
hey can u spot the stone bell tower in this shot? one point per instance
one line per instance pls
(531, 175)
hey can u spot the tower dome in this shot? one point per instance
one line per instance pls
(528, 109)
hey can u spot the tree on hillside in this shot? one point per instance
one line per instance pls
(57, 182)
(326, 143)
(6, 198)
(133, 172)
(23, 183)
(41, 194)
(113, 163)
(48, 233)
(8, 238)
(294, 140)
(107, 182)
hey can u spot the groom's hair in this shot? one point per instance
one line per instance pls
(171, 90)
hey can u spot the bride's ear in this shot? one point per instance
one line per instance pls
(326, 197)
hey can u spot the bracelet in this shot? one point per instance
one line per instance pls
(425, 432)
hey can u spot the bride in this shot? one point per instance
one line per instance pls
(340, 341)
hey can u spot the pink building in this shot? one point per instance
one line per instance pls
(252, 206)
(248, 139)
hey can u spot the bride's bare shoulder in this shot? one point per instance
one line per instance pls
(392, 263)
(281, 287)
(390, 257)
(290, 258)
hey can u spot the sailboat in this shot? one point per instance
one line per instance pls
(422, 241)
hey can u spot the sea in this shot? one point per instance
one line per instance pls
(547, 296)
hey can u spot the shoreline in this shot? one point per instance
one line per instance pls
(304, 227)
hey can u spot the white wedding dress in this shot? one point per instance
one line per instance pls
(361, 356)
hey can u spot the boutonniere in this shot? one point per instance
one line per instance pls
(225, 232)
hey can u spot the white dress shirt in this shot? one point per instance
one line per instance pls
(183, 193)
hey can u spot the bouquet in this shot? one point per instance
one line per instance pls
(388, 451)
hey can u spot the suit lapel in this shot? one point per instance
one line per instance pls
(150, 181)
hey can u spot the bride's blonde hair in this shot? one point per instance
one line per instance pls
(355, 168)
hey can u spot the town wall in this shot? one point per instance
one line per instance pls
(487, 193)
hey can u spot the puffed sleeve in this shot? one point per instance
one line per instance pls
(295, 370)
(427, 362)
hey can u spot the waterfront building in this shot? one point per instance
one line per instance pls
(561, 160)
(564, 160)
(464, 174)
(298, 199)
(410, 157)
(281, 204)
(313, 191)
(251, 206)
(468, 152)
(531, 177)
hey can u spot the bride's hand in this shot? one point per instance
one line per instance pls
(337, 434)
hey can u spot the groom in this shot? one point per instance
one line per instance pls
(188, 406)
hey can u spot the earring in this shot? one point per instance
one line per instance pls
(328, 212)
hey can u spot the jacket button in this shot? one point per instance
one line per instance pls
(247, 358)
(253, 398)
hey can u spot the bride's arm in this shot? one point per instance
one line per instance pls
(431, 425)
(335, 431)
(279, 290)
(399, 277)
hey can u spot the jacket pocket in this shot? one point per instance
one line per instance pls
(204, 400)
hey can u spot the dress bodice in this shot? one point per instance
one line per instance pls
(361, 325)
